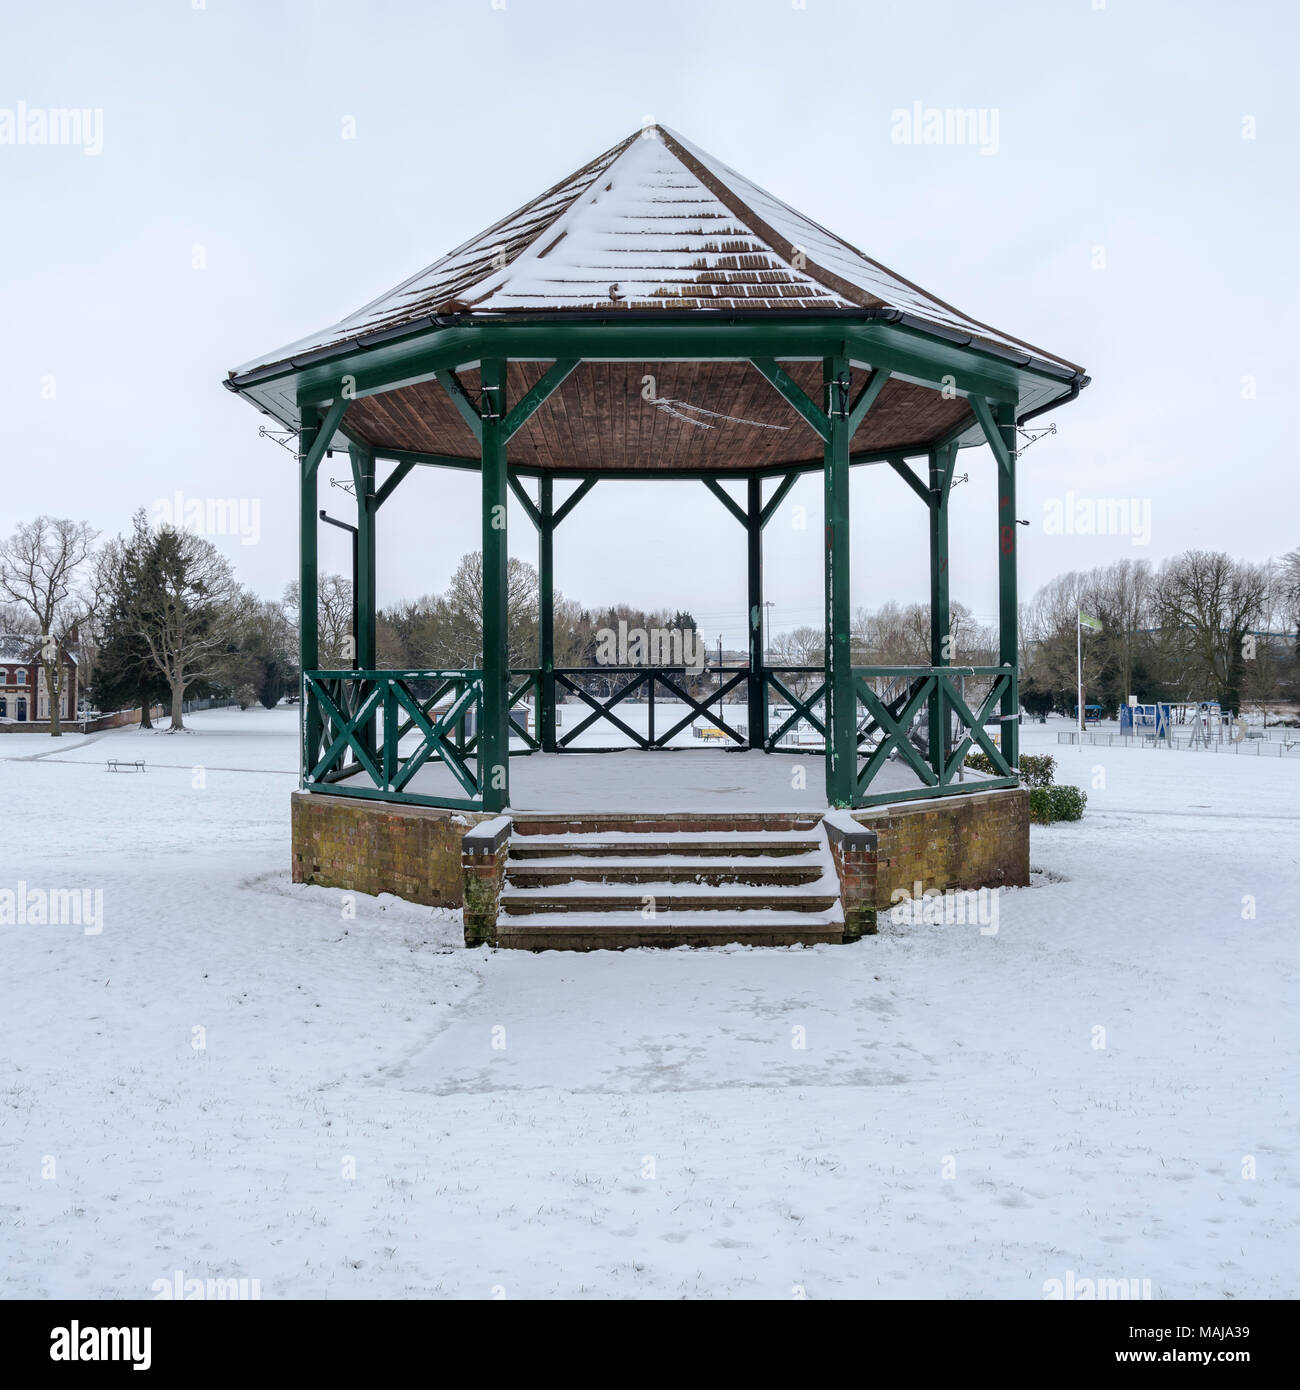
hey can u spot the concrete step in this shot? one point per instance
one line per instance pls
(722, 823)
(755, 869)
(619, 931)
(743, 844)
(581, 882)
(668, 898)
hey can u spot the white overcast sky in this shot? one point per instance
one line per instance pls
(1119, 126)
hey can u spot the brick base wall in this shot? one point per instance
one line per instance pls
(961, 842)
(958, 842)
(380, 847)
(975, 841)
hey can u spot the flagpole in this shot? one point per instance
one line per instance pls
(1078, 640)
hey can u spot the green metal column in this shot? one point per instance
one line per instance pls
(942, 462)
(1008, 626)
(494, 736)
(757, 695)
(309, 721)
(363, 479)
(546, 611)
(841, 702)
(363, 476)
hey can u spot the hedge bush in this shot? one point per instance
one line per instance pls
(1037, 770)
(1048, 804)
(1034, 771)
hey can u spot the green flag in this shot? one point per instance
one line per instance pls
(1086, 621)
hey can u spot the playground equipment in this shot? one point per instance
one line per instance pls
(1187, 724)
(1144, 721)
(1207, 720)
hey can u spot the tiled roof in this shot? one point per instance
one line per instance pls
(654, 223)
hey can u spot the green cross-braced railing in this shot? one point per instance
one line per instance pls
(526, 690)
(363, 718)
(573, 680)
(525, 687)
(782, 682)
(919, 715)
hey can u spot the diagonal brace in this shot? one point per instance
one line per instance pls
(531, 399)
(460, 398)
(984, 415)
(572, 500)
(727, 500)
(904, 471)
(794, 394)
(328, 428)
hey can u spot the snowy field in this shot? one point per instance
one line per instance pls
(236, 1078)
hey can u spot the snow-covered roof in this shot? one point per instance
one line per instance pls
(15, 646)
(654, 223)
(25, 648)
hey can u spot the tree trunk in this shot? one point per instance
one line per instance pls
(145, 721)
(1230, 695)
(54, 696)
(178, 694)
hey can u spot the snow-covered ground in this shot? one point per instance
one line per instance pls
(375, 1111)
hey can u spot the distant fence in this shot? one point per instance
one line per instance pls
(1249, 747)
(115, 720)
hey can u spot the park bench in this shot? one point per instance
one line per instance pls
(126, 765)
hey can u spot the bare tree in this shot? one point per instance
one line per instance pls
(191, 616)
(1289, 592)
(42, 567)
(335, 644)
(465, 611)
(800, 646)
(1212, 603)
(1120, 596)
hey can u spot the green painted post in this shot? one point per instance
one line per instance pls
(841, 702)
(546, 611)
(757, 694)
(309, 720)
(494, 736)
(1008, 633)
(942, 461)
(363, 479)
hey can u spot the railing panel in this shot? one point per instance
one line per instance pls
(379, 729)
(920, 716)
(784, 682)
(647, 682)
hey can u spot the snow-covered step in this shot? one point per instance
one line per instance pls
(720, 869)
(625, 843)
(586, 882)
(617, 931)
(668, 897)
(721, 823)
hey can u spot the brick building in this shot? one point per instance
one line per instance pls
(24, 698)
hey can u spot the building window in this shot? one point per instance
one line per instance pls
(22, 677)
(4, 708)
